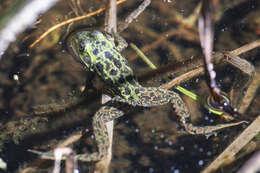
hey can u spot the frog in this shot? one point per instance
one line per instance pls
(100, 53)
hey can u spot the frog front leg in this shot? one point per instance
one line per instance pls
(119, 41)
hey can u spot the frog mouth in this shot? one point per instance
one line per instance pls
(72, 48)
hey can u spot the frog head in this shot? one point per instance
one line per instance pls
(83, 44)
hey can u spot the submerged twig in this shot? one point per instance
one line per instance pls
(252, 165)
(229, 153)
(246, 47)
(133, 15)
(165, 43)
(250, 93)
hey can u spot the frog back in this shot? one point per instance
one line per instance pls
(100, 55)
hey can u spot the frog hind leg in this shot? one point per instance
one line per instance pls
(104, 115)
(121, 42)
(152, 96)
(184, 117)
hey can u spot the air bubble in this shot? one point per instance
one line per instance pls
(151, 170)
(209, 153)
(75, 171)
(201, 162)
(161, 136)
(176, 171)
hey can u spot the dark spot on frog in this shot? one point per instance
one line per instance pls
(103, 43)
(116, 49)
(121, 79)
(156, 98)
(117, 63)
(108, 55)
(131, 98)
(127, 91)
(113, 72)
(137, 91)
(146, 98)
(126, 71)
(107, 68)
(109, 81)
(100, 68)
(97, 42)
(130, 78)
(95, 51)
(107, 107)
(151, 94)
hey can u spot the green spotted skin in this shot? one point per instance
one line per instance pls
(98, 52)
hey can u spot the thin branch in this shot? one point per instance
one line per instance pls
(68, 22)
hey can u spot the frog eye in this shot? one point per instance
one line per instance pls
(96, 33)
